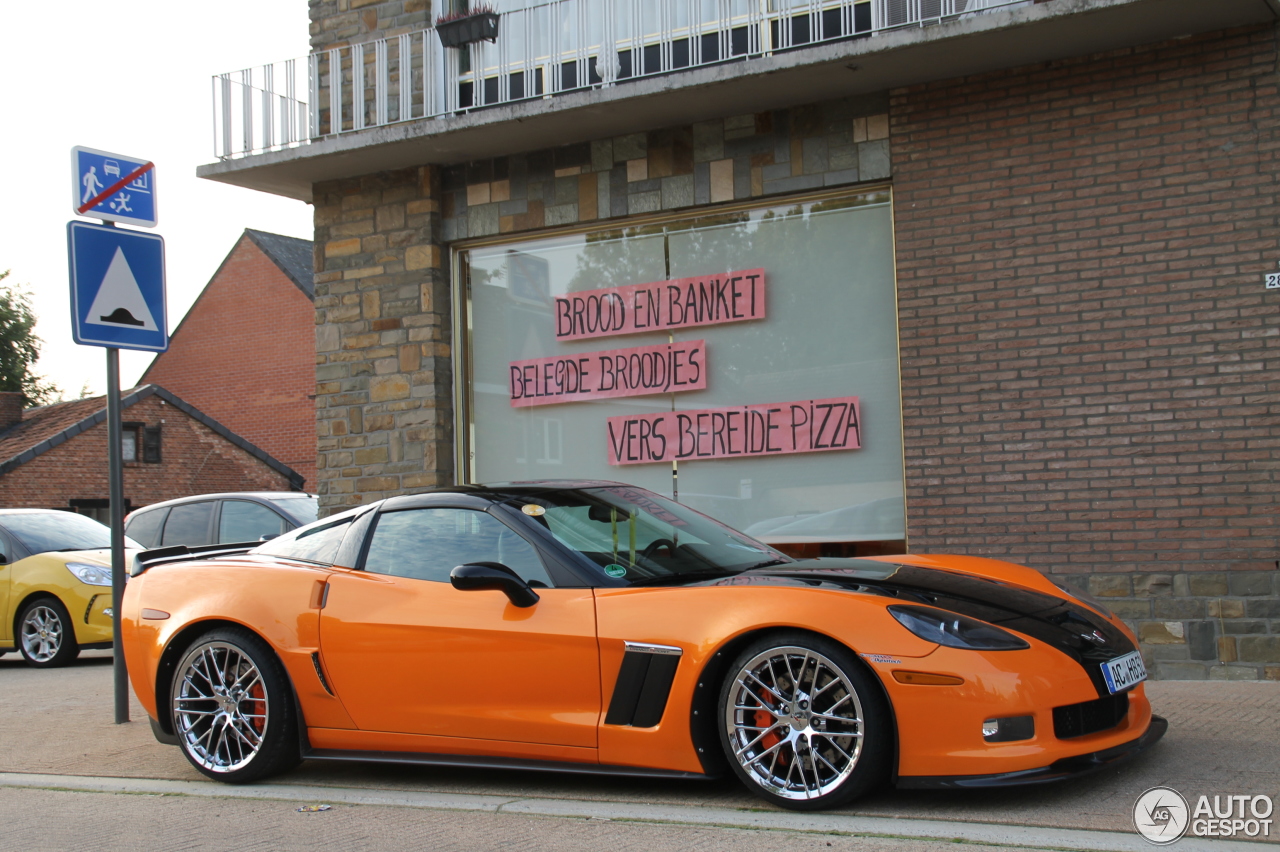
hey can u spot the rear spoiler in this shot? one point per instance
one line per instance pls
(182, 553)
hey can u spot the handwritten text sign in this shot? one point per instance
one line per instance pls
(806, 426)
(665, 368)
(661, 305)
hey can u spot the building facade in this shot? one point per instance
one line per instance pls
(55, 456)
(242, 354)
(1017, 252)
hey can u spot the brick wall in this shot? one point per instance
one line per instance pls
(1088, 353)
(242, 356)
(384, 383)
(194, 460)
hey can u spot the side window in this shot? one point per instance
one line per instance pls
(309, 544)
(188, 523)
(427, 544)
(245, 521)
(144, 527)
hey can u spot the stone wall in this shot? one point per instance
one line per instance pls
(384, 384)
(336, 23)
(731, 159)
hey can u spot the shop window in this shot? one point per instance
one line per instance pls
(547, 383)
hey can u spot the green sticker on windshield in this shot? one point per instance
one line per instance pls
(615, 570)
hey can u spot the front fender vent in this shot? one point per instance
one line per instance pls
(315, 661)
(644, 684)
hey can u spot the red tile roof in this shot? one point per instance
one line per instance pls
(46, 427)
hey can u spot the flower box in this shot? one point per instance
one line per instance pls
(471, 28)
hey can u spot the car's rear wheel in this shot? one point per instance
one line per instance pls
(233, 710)
(46, 636)
(803, 724)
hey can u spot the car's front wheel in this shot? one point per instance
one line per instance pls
(46, 636)
(233, 710)
(802, 722)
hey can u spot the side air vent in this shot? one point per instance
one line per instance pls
(644, 683)
(315, 661)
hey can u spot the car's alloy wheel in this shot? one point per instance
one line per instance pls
(802, 723)
(232, 708)
(46, 636)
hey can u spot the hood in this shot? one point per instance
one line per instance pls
(1075, 629)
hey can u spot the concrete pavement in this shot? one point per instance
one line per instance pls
(1224, 738)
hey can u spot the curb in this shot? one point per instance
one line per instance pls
(768, 820)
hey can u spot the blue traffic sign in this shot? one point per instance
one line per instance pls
(113, 187)
(117, 287)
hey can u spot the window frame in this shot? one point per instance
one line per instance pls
(561, 576)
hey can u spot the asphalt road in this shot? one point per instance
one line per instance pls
(69, 773)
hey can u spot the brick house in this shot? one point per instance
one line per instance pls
(1030, 238)
(55, 456)
(243, 355)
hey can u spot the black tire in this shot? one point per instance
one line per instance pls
(801, 747)
(232, 708)
(46, 636)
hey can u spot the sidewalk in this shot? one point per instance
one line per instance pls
(1224, 738)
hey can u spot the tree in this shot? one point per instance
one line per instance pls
(19, 347)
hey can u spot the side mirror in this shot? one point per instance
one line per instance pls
(496, 576)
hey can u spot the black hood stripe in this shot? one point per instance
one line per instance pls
(1074, 629)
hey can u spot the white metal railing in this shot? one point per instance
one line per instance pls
(543, 49)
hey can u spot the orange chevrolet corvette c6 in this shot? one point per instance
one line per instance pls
(597, 627)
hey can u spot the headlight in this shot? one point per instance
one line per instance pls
(955, 631)
(94, 575)
(1085, 598)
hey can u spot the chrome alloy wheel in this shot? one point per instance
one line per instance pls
(220, 709)
(794, 722)
(42, 632)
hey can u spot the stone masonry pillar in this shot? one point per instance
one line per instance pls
(384, 384)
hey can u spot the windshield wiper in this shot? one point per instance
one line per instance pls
(768, 563)
(690, 577)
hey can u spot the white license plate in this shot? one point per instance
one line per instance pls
(1123, 672)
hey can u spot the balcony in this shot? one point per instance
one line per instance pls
(573, 70)
(544, 50)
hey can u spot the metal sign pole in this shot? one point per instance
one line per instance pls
(115, 463)
(117, 302)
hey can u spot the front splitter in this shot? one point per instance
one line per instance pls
(1059, 770)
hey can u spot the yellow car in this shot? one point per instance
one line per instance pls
(55, 585)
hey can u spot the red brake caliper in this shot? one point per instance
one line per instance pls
(764, 719)
(258, 696)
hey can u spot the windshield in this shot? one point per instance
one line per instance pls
(303, 509)
(41, 532)
(636, 535)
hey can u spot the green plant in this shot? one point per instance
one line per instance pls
(20, 347)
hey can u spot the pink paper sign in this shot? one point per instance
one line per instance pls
(661, 305)
(806, 426)
(665, 368)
